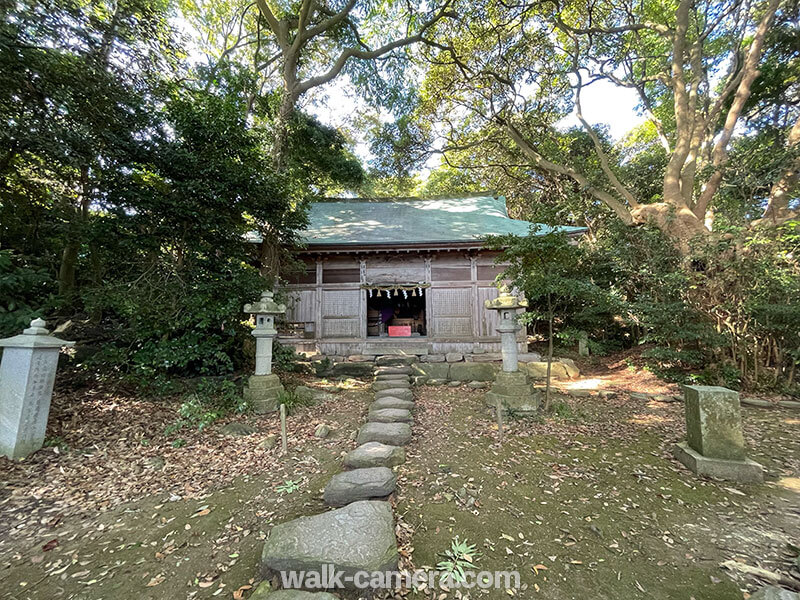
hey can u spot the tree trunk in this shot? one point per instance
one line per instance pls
(67, 272)
(280, 143)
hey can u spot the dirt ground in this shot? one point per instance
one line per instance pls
(585, 504)
(590, 503)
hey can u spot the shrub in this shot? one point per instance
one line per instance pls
(210, 401)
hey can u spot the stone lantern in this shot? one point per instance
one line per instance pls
(264, 386)
(511, 386)
(27, 375)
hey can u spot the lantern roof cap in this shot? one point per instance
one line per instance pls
(266, 305)
(506, 300)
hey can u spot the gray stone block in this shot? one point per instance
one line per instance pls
(381, 403)
(741, 471)
(392, 434)
(402, 393)
(392, 360)
(713, 422)
(433, 358)
(351, 369)
(374, 454)
(538, 370)
(390, 415)
(393, 370)
(433, 371)
(392, 377)
(453, 357)
(358, 537)
(472, 371)
(359, 484)
(773, 592)
(486, 357)
(390, 385)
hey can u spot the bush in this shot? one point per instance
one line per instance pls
(292, 400)
(25, 291)
(209, 402)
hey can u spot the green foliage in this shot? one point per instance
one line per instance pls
(284, 358)
(460, 556)
(293, 401)
(24, 291)
(209, 402)
(288, 487)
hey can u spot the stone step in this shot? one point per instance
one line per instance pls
(291, 595)
(389, 385)
(402, 393)
(360, 484)
(384, 361)
(358, 537)
(390, 415)
(392, 377)
(374, 454)
(396, 350)
(392, 434)
(389, 370)
(390, 402)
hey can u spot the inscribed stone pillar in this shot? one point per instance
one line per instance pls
(27, 375)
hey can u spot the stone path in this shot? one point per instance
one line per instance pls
(359, 536)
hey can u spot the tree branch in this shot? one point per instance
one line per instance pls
(598, 148)
(362, 54)
(749, 74)
(528, 150)
(777, 209)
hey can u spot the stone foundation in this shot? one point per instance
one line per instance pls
(436, 369)
(262, 392)
(741, 471)
(515, 392)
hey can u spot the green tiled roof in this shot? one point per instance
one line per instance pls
(413, 221)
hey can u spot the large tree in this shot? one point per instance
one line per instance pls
(313, 42)
(509, 73)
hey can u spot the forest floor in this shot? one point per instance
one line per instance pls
(588, 503)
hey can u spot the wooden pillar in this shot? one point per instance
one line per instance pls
(318, 295)
(429, 316)
(476, 309)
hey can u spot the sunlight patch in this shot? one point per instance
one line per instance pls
(790, 483)
(585, 384)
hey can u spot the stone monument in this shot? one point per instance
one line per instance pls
(583, 343)
(264, 386)
(714, 445)
(511, 386)
(27, 375)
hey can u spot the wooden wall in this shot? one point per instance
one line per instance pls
(330, 293)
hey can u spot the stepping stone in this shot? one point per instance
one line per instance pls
(394, 360)
(390, 402)
(360, 484)
(290, 595)
(402, 393)
(374, 454)
(393, 371)
(390, 415)
(393, 434)
(391, 377)
(358, 537)
(390, 385)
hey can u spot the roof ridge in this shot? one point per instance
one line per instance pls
(377, 199)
